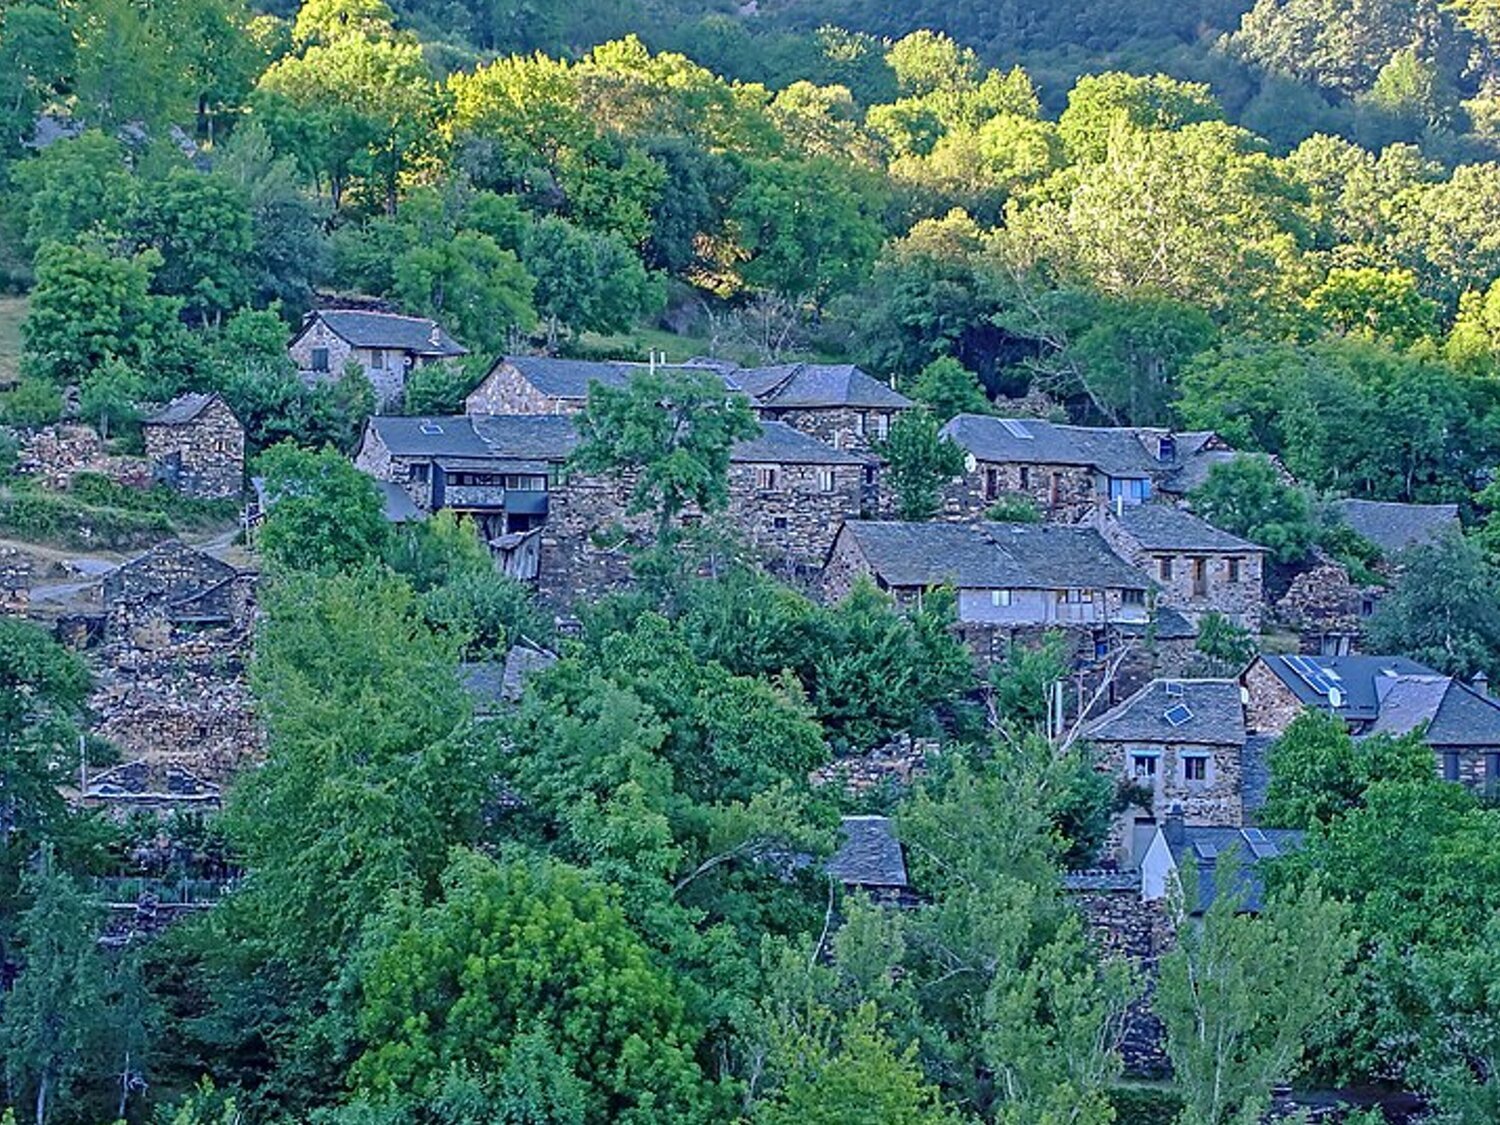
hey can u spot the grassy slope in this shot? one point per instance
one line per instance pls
(12, 310)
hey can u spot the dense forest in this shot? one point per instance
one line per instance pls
(1278, 222)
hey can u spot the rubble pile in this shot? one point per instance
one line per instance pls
(898, 763)
(56, 454)
(15, 581)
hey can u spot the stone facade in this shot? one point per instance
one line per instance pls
(175, 585)
(1327, 609)
(322, 351)
(1271, 705)
(842, 427)
(1062, 493)
(15, 581)
(1215, 799)
(506, 391)
(1197, 582)
(791, 513)
(201, 456)
(322, 354)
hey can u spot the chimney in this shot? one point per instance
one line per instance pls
(1481, 683)
(1172, 827)
(435, 336)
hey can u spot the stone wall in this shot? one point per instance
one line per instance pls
(1272, 705)
(1122, 925)
(1326, 609)
(168, 575)
(1062, 493)
(56, 454)
(506, 391)
(15, 581)
(1217, 801)
(842, 427)
(204, 458)
(793, 525)
(387, 380)
(895, 765)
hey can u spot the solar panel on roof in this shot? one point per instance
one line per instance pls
(1174, 689)
(1311, 674)
(1015, 429)
(1255, 835)
(1177, 714)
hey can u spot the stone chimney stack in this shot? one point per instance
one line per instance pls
(1481, 683)
(1173, 827)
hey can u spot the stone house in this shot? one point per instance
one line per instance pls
(1178, 847)
(384, 346)
(1181, 742)
(196, 446)
(1327, 609)
(1067, 470)
(1382, 695)
(1012, 581)
(1396, 527)
(788, 493)
(1198, 569)
(835, 403)
(177, 586)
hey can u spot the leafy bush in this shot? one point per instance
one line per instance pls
(1144, 1105)
(59, 518)
(1013, 509)
(34, 402)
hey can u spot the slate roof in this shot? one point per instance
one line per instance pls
(779, 443)
(1117, 452)
(817, 385)
(1206, 848)
(1395, 527)
(1163, 527)
(492, 684)
(1215, 715)
(1456, 715)
(387, 330)
(869, 855)
(180, 411)
(567, 378)
(1255, 771)
(1355, 676)
(992, 556)
(398, 503)
(480, 437)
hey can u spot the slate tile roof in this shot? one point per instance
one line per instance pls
(869, 855)
(1117, 452)
(1395, 527)
(1355, 676)
(1214, 715)
(1163, 527)
(481, 438)
(991, 556)
(416, 334)
(817, 385)
(1255, 772)
(180, 411)
(398, 505)
(1456, 714)
(1205, 849)
(788, 385)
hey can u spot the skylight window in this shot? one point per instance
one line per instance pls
(1177, 714)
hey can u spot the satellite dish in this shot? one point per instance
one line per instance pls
(970, 462)
(1335, 697)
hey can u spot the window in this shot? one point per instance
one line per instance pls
(1054, 489)
(1075, 597)
(1143, 766)
(1000, 597)
(1200, 578)
(320, 359)
(859, 424)
(882, 426)
(779, 523)
(1164, 568)
(377, 358)
(1450, 765)
(1234, 570)
(516, 482)
(419, 473)
(1492, 770)
(825, 480)
(766, 478)
(869, 474)
(1130, 490)
(1195, 768)
(1366, 607)
(991, 483)
(1101, 647)
(1132, 597)
(1023, 474)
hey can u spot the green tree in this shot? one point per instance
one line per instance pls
(587, 281)
(1247, 496)
(517, 956)
(469, 283)
(1101, 104)
(672, 431)
(441, 388)
(322, 515)
(88, 307)
(921, 460)
(1381, 305)
(1226, 646)
(200, 226)
(52, 1012)
(109, 396)
(77, 187)
(946, 387)
(1131, 352)
(1241, 993)
(1444, 609)
(1319, 772)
